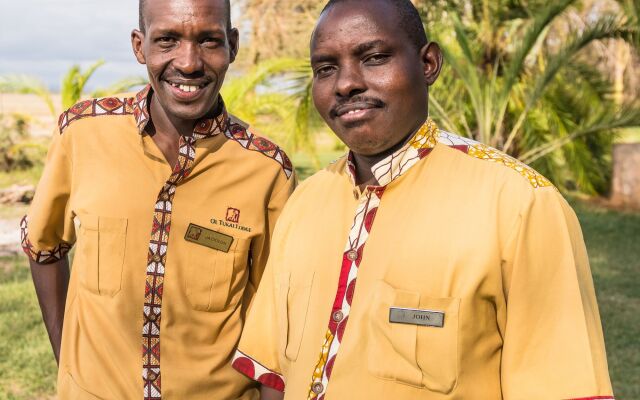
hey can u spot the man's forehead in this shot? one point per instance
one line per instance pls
(344, 21)
(184, 10)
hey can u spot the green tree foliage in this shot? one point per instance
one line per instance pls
(72, 89)
(17, 152)
(518, 80)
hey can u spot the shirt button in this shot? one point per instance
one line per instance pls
(338, 316)
(165, 196)
(157, 258)
(152, 377)
(352, 255)
(317, 388)
(153, 317)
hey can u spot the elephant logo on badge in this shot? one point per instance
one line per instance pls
(233, 215)
(194, 233)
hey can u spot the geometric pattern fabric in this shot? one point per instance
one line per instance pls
(138, 106)
(386, 171)
(158, 249)
(44, 256)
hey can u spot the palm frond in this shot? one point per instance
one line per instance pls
(607, 27)
(121, 86)
(27, 85)
(74, 82)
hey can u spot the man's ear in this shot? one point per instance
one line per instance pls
(137, 39)
(431, 57)
(234, 44)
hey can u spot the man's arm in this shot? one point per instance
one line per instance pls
(266, 393)
(51, 282)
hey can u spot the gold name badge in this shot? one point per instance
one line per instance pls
(416, 317)
(207, 237)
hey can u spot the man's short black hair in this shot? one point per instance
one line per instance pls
(143, 3)
(408, 19)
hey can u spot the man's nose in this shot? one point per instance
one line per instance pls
(188, 60)
(349, 81)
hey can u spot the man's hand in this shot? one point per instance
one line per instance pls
(266, 393)
(51, 282)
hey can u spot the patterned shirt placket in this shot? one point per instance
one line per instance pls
(156, 262)
(358, 235)
(158, 245)
(386, 171)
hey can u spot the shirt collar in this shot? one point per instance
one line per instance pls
(398, 163)
(204, 128)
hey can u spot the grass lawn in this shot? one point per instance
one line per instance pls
(27, 369)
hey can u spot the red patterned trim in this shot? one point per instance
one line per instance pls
(138, 106)
(258, 372)
(43, 256)
(249, 141)
(95, 108)
(595, 398)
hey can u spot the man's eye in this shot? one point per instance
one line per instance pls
(376, 59)
(323, 71)
(165, 40)
(212, 42)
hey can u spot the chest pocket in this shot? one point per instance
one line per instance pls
(420, 356)
(100, 251)
(292, 302)
(211, 275)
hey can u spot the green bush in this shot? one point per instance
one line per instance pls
(17, 150)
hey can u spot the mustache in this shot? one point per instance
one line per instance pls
(372, 101)
(178, 76)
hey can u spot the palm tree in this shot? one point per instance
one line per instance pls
(72, 88)
(519, 82)
(275, 97)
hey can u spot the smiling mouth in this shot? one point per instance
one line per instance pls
(187, 88)
(356, 108)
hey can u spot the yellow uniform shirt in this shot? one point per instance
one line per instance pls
(167, 258)
(464, 276)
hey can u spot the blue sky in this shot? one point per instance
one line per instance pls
(45, 37)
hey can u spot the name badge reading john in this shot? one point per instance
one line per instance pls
(416, 317)
(207, 237)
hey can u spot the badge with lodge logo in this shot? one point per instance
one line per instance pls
(208, 238)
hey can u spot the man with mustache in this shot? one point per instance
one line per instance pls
(172, 202)
(422, 265)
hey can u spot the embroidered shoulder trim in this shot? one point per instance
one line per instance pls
(256, 371)
(595, 398)
(44, 256)
(249, 141)
(95, 108)
(484, 152)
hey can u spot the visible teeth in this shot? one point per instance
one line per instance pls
(354, 111)
(186, 88)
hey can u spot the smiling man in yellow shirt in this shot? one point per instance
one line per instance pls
(422, 265)
(170, 203)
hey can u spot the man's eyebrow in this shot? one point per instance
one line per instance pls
(358, 50)
(317, 59)
(366, 46)
(166, 32)
(213, 32)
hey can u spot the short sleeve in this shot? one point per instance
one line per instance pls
(47, 231)
(261, 246)
(553, 343)
(257, 354)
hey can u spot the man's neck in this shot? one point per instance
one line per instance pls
(167, 125)
(365, 163)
